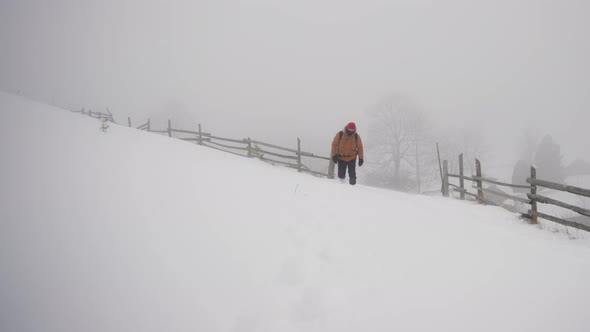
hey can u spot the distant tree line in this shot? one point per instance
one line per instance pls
(402, 144)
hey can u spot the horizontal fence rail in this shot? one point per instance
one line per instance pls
(560, 221)
(561, 187)
(216, 148)
(547, 200)
(482, 179)
(501, 194)
(244, 148)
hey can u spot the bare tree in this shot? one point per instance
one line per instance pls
(396, 139)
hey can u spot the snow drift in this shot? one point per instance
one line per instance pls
(131, 231)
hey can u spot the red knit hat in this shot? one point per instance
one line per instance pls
(351, 126)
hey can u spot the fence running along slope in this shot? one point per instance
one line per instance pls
(533, 198)
(246, 147)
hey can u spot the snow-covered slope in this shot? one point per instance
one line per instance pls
(131, 231)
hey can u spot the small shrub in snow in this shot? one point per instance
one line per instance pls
(104, 126)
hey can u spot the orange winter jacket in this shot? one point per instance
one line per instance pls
(347, 146)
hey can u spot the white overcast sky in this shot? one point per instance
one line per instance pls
(281, 69)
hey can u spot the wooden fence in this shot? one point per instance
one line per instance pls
(98, 115)
(533, 198)
(246, 147)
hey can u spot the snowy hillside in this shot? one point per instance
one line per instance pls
(131, 231)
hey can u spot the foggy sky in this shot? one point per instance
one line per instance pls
(275, 70)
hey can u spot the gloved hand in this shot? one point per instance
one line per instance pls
(361, 161)
(335, 158)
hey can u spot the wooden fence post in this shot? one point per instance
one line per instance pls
(461, 179)
(445, 186)
(298, 154)
(200, 135)
(478, 182)
(439, 164)
(110, 116)
(249, 148)
(129, 121)
(418, 184)
(169, 128)
(532, 197)
(331, 167)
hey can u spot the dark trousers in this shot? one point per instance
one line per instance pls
(351, 165)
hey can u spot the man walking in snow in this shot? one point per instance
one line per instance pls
(347, 144)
